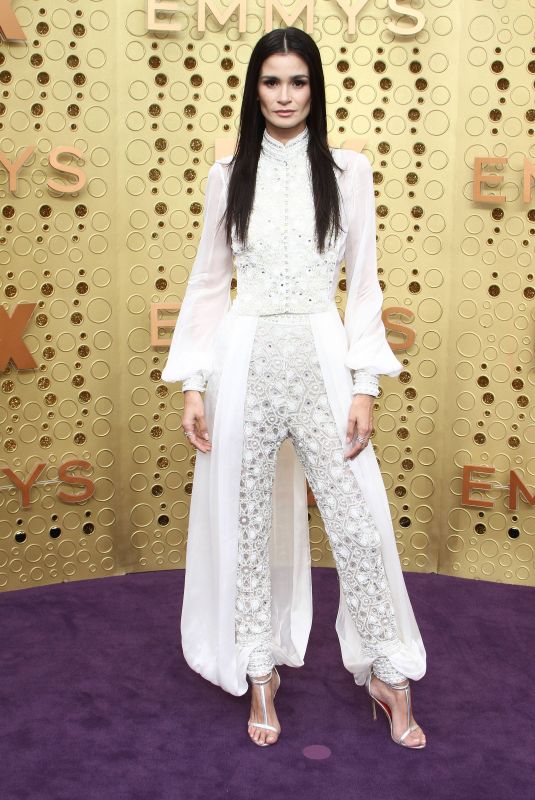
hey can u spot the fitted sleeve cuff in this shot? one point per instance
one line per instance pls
(197, 381)
(365, 382)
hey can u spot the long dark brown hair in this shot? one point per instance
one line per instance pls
(242, 183)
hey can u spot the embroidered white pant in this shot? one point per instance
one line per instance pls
(286, 396)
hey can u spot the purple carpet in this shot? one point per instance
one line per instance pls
(97, 701)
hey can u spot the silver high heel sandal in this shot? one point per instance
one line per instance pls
(386, 708)
(264, 724)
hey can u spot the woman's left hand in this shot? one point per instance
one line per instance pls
(360, 423)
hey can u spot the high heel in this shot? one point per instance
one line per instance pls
(386, 708)
(261, 682)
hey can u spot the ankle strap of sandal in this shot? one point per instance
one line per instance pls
(401, 687)
(261, 680)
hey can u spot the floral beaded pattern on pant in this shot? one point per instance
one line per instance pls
(286, 396)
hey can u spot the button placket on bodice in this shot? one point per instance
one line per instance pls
(285, 232)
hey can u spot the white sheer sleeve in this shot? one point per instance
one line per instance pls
(368, 348)
(207, 295)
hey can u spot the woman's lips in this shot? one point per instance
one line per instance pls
(285, 113)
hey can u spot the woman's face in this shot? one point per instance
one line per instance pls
(284, 86)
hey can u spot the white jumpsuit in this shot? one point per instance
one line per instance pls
(286, 293)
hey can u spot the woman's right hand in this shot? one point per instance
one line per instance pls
(194, 422)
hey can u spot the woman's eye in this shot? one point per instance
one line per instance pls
(272, 82)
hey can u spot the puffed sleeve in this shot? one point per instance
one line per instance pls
(368, 348)
(207, 296)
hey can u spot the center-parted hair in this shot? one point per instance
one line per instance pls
(242, 182)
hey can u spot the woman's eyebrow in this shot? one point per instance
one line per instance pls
(276, 77)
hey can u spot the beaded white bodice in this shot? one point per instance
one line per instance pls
(279, 270)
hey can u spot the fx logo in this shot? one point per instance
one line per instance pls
(10, 30)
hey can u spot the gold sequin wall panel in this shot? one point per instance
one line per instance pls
(109, 122)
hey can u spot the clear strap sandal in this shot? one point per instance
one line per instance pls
(262, 682)
(405, 687)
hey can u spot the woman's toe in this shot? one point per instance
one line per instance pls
(421, 737)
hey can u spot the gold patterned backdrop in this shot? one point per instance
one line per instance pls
(115, 126)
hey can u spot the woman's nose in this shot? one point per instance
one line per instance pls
(284, 93)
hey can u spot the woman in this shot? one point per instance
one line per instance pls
(279, 368)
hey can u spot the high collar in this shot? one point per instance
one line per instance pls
(296, 146)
